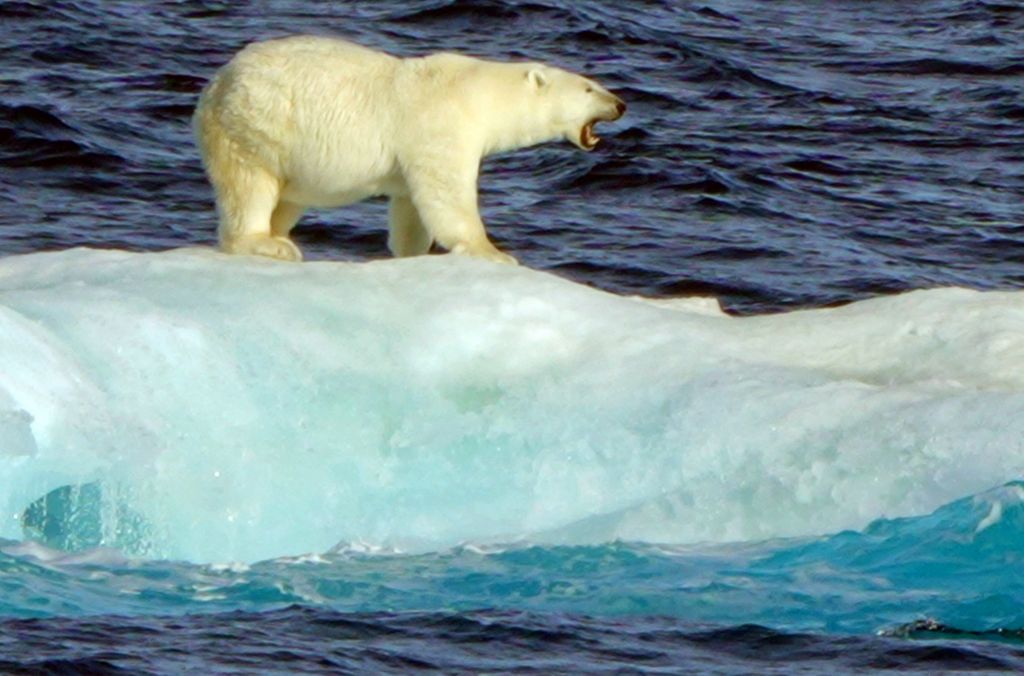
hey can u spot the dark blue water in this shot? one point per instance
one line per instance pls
(777, 155)
(309, 640)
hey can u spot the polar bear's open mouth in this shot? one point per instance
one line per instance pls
(588, 139)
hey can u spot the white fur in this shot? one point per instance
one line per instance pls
(318, 122)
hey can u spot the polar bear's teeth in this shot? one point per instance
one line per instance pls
(587, 137)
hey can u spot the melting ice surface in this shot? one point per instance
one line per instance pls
(240, 410)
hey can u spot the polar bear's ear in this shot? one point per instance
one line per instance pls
(537, 78)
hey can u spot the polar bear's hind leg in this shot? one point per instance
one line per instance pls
(247, 228)
(406, 234)
(246, 194)
(247, 205)
(284, 218)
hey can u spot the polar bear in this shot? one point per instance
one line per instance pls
(319, 122)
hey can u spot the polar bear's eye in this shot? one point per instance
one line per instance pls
(589, 89)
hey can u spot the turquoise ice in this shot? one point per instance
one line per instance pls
(247, 409)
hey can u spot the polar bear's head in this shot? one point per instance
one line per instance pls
(569, 104)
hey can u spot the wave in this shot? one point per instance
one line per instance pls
(34, 137)
(895, 577)
(245, 409)
(312, 639)
(932, 66)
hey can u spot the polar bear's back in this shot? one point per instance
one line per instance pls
(300, 104)
(312, 53)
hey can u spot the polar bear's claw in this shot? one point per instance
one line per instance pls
(487, 252)
(281, 248)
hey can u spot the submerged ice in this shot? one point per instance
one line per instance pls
(244, 409)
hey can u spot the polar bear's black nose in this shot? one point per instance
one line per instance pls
(621, 108)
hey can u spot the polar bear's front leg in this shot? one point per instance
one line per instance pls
(406, 234)
(447, 206)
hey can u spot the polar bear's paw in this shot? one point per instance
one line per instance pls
(486, 251)
(281, 248)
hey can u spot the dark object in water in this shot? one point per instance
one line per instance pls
(931, 629)
(85, 516)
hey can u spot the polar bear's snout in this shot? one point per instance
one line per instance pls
(609, 108)
(620, 109)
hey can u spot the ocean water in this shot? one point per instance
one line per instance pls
(751, 404)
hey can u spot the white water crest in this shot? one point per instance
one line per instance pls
(246, 408)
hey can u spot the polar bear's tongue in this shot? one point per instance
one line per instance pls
(588, 139)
